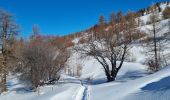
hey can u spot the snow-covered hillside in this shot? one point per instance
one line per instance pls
(146, 17)
(134, 82)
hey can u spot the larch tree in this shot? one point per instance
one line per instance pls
(101, 25)
(8, 29)
(112, 18)
(101, 21)
(155, 29)
(35, 31)
(154, 42)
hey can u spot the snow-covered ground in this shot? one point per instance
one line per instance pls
(150, 87)
(63, 90)
(69, 88)
(146, 17)
(133, 82)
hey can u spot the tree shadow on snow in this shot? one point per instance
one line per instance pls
(69, 80)
(98, 81)
(131, 76)
(123, 78)
(163, 84)
(21, 90)
(18, 87)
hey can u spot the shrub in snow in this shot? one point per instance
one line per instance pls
(41, 63)
(166, 13)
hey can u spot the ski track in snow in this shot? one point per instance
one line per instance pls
(83, 92)
(79, 93)
(86, 95)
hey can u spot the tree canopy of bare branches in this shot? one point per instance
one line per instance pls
(110, 46)
(8, 30)
(39, 62)
(155, 43)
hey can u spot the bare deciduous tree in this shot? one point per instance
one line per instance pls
(40, 62)
(110, 48)
(154, 42)
(8, 29)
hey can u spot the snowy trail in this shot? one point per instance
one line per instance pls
(86, 93)
(83, 92)
(79, 93)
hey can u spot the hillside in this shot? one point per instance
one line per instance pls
(133, 82)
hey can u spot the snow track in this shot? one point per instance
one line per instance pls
(86, 95)
(83, 92)
(80, 93)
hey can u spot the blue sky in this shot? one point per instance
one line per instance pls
(60, 17)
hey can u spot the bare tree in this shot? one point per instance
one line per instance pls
(8, 29)
(154, 18)
(101, 20)
(112, 18)
(35, 31)
(111, 48)
(40, 62)
(154, 42)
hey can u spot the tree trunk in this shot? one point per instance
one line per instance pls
(3, 82)
(3, 78)
(110, 79)
(155, 48)
(4, 59)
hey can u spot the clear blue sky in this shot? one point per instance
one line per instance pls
(60, 17)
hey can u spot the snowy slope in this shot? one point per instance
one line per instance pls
(129, 89)
(163, 25)
(64, 91)
(133, 82)
(146, 17)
